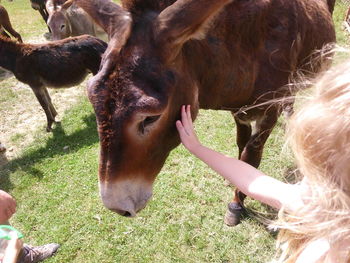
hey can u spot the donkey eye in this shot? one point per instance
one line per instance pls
(63, 26)
(148, 121)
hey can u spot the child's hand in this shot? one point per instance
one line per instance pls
(185, 128)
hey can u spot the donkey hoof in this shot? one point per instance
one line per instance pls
(233, 214)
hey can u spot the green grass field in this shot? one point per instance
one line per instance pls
(54, 180)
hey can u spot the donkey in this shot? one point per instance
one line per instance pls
(233, 55)
(58, 64)
(5, 24)
(67, 19)
(40, 5)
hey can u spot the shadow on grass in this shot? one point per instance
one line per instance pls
(291, 175)
(263, 218)
(59, 144)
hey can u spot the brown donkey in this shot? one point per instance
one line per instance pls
(233, 55)
(57, 64)
(5, 24)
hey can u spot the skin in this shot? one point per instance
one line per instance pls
(7, 207)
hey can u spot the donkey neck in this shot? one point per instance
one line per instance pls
(9, 52)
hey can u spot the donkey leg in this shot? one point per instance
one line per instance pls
(43, 13)
(253, 150)
(51, 107)
(8, 27)
(252, 153)
(40, 94)
(235, 207)
(3, 33)
(15, 34)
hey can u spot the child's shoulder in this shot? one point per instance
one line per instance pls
(294, 197)
(314, 252)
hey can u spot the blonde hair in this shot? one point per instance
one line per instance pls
(319, 134)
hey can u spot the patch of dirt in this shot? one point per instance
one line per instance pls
(26, 118)
(22, 118)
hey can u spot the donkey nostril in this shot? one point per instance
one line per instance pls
(123, 213)
(127, 214)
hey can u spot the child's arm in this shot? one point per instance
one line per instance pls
(249, 180)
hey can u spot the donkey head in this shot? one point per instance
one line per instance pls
(58, 22)
(139, 90)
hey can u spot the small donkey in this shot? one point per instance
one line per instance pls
(57, 64)
(5, 24)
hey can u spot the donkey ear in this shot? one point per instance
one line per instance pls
(187, 19)
(110, 16)
(67, 4)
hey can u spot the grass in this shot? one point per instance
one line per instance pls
(55, 183)
(58, 201)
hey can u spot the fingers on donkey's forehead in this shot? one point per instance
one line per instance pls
(188, 114)
(189, 111)
(184, 115)
(183, 111)
(179, 126)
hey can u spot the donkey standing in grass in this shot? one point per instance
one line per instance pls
(58, 64)
(5, 25)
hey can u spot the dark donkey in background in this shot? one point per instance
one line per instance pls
(163, 54)
(57, 64)
(5, 25)
(40, 5)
